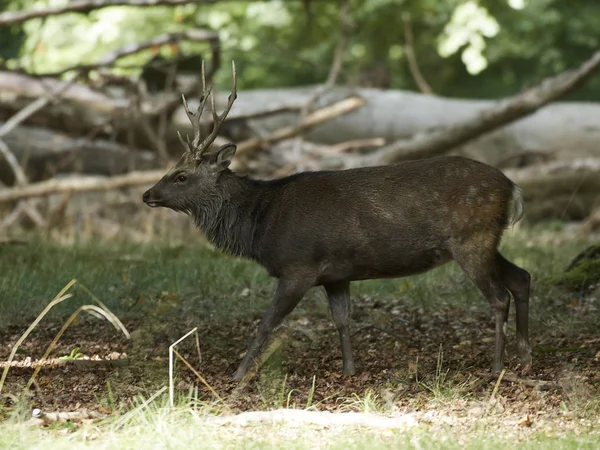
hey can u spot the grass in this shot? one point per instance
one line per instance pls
(162, 283)
(127, 277)
(161, 427)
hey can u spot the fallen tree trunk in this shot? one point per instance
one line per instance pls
(43, 153)
(568, 129)
(568, 190)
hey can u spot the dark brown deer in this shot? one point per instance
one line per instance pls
(328, 228)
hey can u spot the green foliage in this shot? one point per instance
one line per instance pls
(509, 45)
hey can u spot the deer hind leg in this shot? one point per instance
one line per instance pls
(518, 282)
(339, 303)
(288, 294)
(477, 258)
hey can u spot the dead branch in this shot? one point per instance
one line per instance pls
(20, 177)
(354, 144)
(86, 184)
(41, 418)
(44, 153)
(157, 41)
(81, 184)
(428, 144)
(84, 6)
(334, 70)
(317, 117)
(409, 49)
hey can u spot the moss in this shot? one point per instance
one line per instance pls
(583, 272)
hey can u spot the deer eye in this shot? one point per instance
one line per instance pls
(180, 179)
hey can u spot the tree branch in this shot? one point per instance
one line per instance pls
(428, 144)
(334, 70)
(14, 121)
(409, 48)
(86, 184)
(319, 116)
(83, 6)
(157, 41)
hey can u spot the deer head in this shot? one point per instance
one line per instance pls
(194, 180)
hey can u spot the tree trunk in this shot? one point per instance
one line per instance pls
(43, 153)
(560, 130)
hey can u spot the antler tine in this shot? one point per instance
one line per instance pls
(192, 145)
(219, 119)
(185, 143)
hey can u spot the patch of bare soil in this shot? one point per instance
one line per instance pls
(436, 365)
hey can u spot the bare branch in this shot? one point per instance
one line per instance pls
(20, 177)
(409, 48)
(86, 184)
(425, 145)
(83, 6)
(163, 39)
(81, 184)
(338, 58)
(317, 117)
(334, 70)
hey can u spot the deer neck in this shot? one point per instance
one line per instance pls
(230, 220)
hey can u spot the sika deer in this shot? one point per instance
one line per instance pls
(329, 228)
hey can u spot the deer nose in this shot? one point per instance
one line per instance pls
(146, 196)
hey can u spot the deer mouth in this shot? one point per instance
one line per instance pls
(153, 204)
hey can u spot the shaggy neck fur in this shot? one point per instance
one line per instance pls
(229, 217)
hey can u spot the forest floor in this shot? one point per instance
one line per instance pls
(423, 347)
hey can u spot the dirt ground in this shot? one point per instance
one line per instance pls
(406, 361)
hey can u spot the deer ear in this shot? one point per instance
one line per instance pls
(221, 158)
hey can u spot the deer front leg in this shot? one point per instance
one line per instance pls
(288, 294)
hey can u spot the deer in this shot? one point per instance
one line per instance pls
(328, 228)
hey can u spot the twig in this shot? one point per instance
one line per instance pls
(409, 48)
(334, 70)
(83, 6)
(163, 39)
(39, 417)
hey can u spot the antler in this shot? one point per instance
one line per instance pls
(194, 146)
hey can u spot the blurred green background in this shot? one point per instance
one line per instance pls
(465, 48)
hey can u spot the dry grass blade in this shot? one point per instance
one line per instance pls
(494, 392)
(277, 341)
(172, 363)
(112, 318)
(106, 314)
(55, 301)
(201, 378)
(127, 417)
